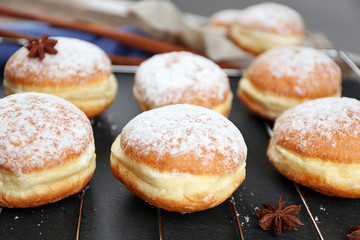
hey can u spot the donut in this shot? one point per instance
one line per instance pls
(182, 77)
(317, 144)
(284, 77)
(267, 25)
(180, 157)
(224, 18)
(79, 72)
(47, 150)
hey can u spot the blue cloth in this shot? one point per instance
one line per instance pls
(39, 28)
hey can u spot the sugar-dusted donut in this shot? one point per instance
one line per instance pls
(284, 77)
(79, 72)
(180, 157)
(317, 144)
(47, 150)
(224, 18)
(267, 25)
(182, 77)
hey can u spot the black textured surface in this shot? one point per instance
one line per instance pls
(111, 212)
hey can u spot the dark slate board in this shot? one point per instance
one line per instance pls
(111, 212)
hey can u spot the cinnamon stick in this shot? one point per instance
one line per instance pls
(11, 34)
(115, 59)
(124, 60)
(144, 43)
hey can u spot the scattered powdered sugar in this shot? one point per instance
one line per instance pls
(273, 17)
(183, 129)
(322, 208)
(114, 127)
(246, 220)
(82, 193)
(172, 77)
(109, 117)
(300, 66)
(75, 59)
(326, 121)
(16, 217)
(99, 124)
(40, 130)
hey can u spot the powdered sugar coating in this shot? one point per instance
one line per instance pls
(225, 16)
(203, 139)
(181, 77)
(296, 71)
(40, 130)
(272, 17)
(328, 128)
(76, 62)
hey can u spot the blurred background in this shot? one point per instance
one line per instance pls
(338, 20)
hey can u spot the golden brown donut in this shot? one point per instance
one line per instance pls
(80, 72)
(47, 150)
(317, 144)
(182, 77)
(267, 25)
(284, 77)
(180, 157)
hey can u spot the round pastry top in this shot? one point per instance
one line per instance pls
(273, 18)
(181, 77)
(299, 72)
(76, 62)
(326, 128)
(225, 17)
(184, 138)
(40, 131)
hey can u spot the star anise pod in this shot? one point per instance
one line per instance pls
(355, 235)
(38, 47)
(279, 218)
